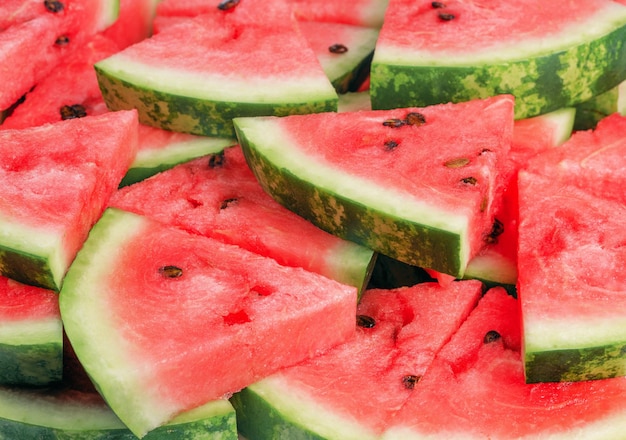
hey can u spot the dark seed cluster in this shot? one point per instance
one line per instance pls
(412, 118)
(171, 271)
(53, 5)
(216, 160)
(62, 40)
(72, 111)
(496, 230)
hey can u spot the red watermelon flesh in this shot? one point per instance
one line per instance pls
(70, 84)
(475, 389)
(45, 38)
(530, 137)
(219, 197)
(571, 258)
(56, 185)
(594, 160)
(365, 380)
(23, 302)
(134, 22)
(225, 317)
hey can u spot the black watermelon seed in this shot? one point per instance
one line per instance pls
(63, 40)
(171, 271)
(393, 123)
(496, 230)
(390, 145)
(72, 111)
(228, 202)
(216, 160)
(415, 118)
(226, 5)
(365, 321)
(53, 5)
(337, 48)
(491, 336)
(469, 180)
(410, 380)
(444, 16)
(438, 5)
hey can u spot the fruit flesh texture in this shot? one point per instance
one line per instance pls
(409, 326)
(571, 252)
(410, 69)
(471, 387)
(406, 229)
(228, 298)
(57, 185)
(224, 201)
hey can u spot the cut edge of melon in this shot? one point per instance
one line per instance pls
(32, 332)
(597, 26)
(213, 87)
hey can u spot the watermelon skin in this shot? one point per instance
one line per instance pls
(542, 79)
(31, 335)
(56, 187)
(217, 75)
(591, 112)
(68, 414)
(352, 391)
(227, 297)
(472, 386)
(273, 152)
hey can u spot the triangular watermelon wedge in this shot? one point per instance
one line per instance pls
(57, 179)
(245, 61)
(401, 182)
(164, 321)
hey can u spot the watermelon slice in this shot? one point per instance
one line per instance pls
(218, 196)
(45, 36)
(55, 187)
(571, 257)
(222, 71)
(31, 335)
(473, 49)
(352, 391)
(413, 190)
(70, 414)
(226, 317)
(496, 264)
(134, 22)
(475, 389)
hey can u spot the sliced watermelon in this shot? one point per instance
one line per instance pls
(345, 51)
(473, 49)
(31, 335)
(70, 414)
(369, 13)
(133, 23)
(45, 37)
(496, 264)
(222, 71)
(226, 317)
(418, 192)
(475, 389)
(219, 197)
(352, 391)
(571, 257)
(55, 186)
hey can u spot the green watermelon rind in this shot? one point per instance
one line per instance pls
(149, 162)
(31, 256)
(541, 81)
(590, 112)
(31, 352)
(83, 323)
(575, 350)
(272, 409)
(188, 110)
(37, 413)
(421, 241)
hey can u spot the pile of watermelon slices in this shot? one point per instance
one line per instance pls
(281, 219)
